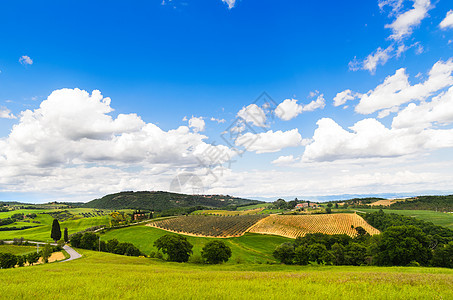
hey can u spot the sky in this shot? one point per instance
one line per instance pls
(258, 99)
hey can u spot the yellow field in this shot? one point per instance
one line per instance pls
(386, 202)
(300, 225)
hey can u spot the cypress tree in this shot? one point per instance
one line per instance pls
(66, 235)
(56, 231)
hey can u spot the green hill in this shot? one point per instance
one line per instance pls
(165, 201)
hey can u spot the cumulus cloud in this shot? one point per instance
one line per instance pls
(319, 103)
(448, 21)
(396, 89)
(197, 124)
(288, 109)
(344, 96)
(5, 113)
(379, 57)
(269, 141)
(369, 138)
(25, 60)
(253, 114)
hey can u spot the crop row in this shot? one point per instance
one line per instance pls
(300, 225)
(209, 226)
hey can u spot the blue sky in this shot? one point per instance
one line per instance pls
(165, 63)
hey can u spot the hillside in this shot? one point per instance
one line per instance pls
(165, 201)
(437, 203)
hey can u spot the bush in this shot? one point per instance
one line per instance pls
(33, 258)
(89, 241)
(196, 259)
(76, 240)
(216, 252)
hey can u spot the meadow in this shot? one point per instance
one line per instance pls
(104, 275)
(17, 250)
(437, 218)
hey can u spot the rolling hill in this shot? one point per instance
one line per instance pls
(165, 201)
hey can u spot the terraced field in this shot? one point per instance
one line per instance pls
(209, 226)
(300, 225)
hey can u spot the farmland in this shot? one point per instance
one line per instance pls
(209, 226)
(104, 275)
(299, 225)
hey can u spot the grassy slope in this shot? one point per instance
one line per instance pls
(17, 250)
(42, 232)
(437, 218)
(247, 248)
(103, 275)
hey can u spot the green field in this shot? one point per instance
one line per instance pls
(17, 250)
(104, 275)
(250, 248)
(42, 231)
(437, 218)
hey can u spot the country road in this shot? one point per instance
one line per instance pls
(72, 253)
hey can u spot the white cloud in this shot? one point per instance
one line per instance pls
(288, 109)
(284, 160)
(379, 57)
(448, 21)
(425, 115)
(396, 89)
(344, 96)
(319, 103)
(230, 3)
(269, 141)
(5, 113)
(369, 138)
(219, 121)
(405, 22)
(253, 114)
(25, 60)
(197, 124)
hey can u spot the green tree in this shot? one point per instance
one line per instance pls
(216, 252)
(355, 254)
(89, 241)
(56, 231)
(328, 210)
(400, 245)
(301, 255)
(318, 253)
(443, 256)
(66, 235)
(7, 260)
(284, 253)
(176, 247)
(76, 240)
(111, 245)
(33, 258)
(338, 254)
(46, 253)
(21, 259)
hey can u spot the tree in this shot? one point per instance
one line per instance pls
(328, 210)
(7, 260)
(66, 235)
(355, 254)
(318, 253)
(21, 259)
(443, 256)
(76, 240)
(33, 258)
(56, 231)
(216, 252)
(46, 253)
(338, 253)
(89, 241)
(111, 245)
(301, 255)
(176, 247)
(400, 245)
(284, 253)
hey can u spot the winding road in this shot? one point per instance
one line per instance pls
(72, 253)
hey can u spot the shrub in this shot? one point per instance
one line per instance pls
(284, 253)
(7, 260)
(33, 258)
(76, 240)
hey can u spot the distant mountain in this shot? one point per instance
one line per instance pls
(164, 201)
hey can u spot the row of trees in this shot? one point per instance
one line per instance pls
(8, 260)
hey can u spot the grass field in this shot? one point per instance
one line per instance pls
(250, 248)
(103, 275)
(438, 218)
(17, 250)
